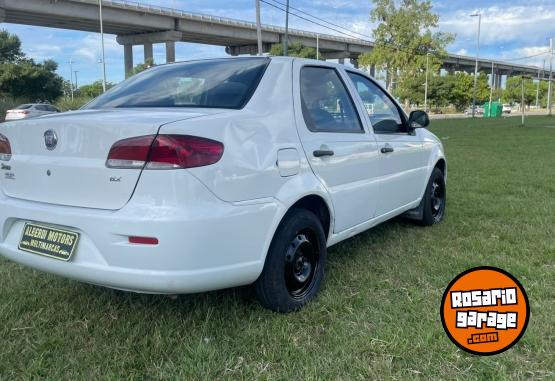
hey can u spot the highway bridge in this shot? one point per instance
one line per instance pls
(140, 24)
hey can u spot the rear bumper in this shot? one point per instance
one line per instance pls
(204, 243)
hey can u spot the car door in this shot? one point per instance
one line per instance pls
(403, 162)
(341, 151)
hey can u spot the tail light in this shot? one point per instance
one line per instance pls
(5, 149)
(164, 152)
(130, 153)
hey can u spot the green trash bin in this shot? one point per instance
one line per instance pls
(496, 110)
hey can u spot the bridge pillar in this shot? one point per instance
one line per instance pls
(170, 52)
(342, 61)
(354, 61)
(498, 80)
(2, 15)
(128, 58)
(149, 52)
(373, 71)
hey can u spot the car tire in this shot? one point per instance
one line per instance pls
(434, 201)
(294, 269)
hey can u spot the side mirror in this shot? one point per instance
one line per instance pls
(419, 119)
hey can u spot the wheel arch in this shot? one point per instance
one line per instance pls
(317, 205)
(442, 165)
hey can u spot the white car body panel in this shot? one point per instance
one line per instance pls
(78, 164)
(402, 172)
(215, 223)
(350, 175)
(191, 257)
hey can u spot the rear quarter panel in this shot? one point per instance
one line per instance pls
(252, 138)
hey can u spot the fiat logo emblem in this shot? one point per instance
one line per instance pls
(50, 139)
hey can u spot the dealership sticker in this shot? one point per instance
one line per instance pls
(485, 311)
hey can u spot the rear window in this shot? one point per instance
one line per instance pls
(224, 83)
(24, 107)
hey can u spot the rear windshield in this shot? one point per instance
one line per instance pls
(24, 107)
(223, 83)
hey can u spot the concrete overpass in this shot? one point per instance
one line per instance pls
(140, 24)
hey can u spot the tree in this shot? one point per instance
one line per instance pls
(94, 89)
(513, 91)
(295, 50)
(463, 89)
(26, 79)
(413, 89)
(144, 66)
(403, 39)
(22, 77)
(440, 89)
(10, 48)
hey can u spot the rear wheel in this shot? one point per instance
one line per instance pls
(294, 268)
(434, 201)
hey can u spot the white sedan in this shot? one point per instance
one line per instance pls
(31, 110)
(212, 174)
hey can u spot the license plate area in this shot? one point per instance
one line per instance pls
(48, 242)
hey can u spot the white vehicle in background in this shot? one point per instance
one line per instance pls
(213, 174)
(479, 110)
(507, 109)
(30, 110)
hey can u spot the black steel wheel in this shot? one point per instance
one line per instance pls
(437, 202)
(435, 199)
(294, 268)
(301, 265)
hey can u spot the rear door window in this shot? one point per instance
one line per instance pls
(326, 103)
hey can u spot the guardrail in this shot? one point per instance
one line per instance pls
(164, 11)
(175, 13)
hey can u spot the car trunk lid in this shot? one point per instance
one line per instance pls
(61, 159)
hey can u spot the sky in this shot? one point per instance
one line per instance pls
(510, 29)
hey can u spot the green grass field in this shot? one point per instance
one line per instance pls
(376, 318)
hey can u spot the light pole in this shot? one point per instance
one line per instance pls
(538, 89)
(76, 83)
(426, 84)
(522, 98)
(523, 77)
(549, 89)
(103, 53)
(286, 43)
(317, 47)
(71, 76)
(479, 15)
(258, 28)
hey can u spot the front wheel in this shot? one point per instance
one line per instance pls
(294, 268)
(434, 200)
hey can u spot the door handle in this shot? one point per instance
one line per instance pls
(387, 149)
(322, 153)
